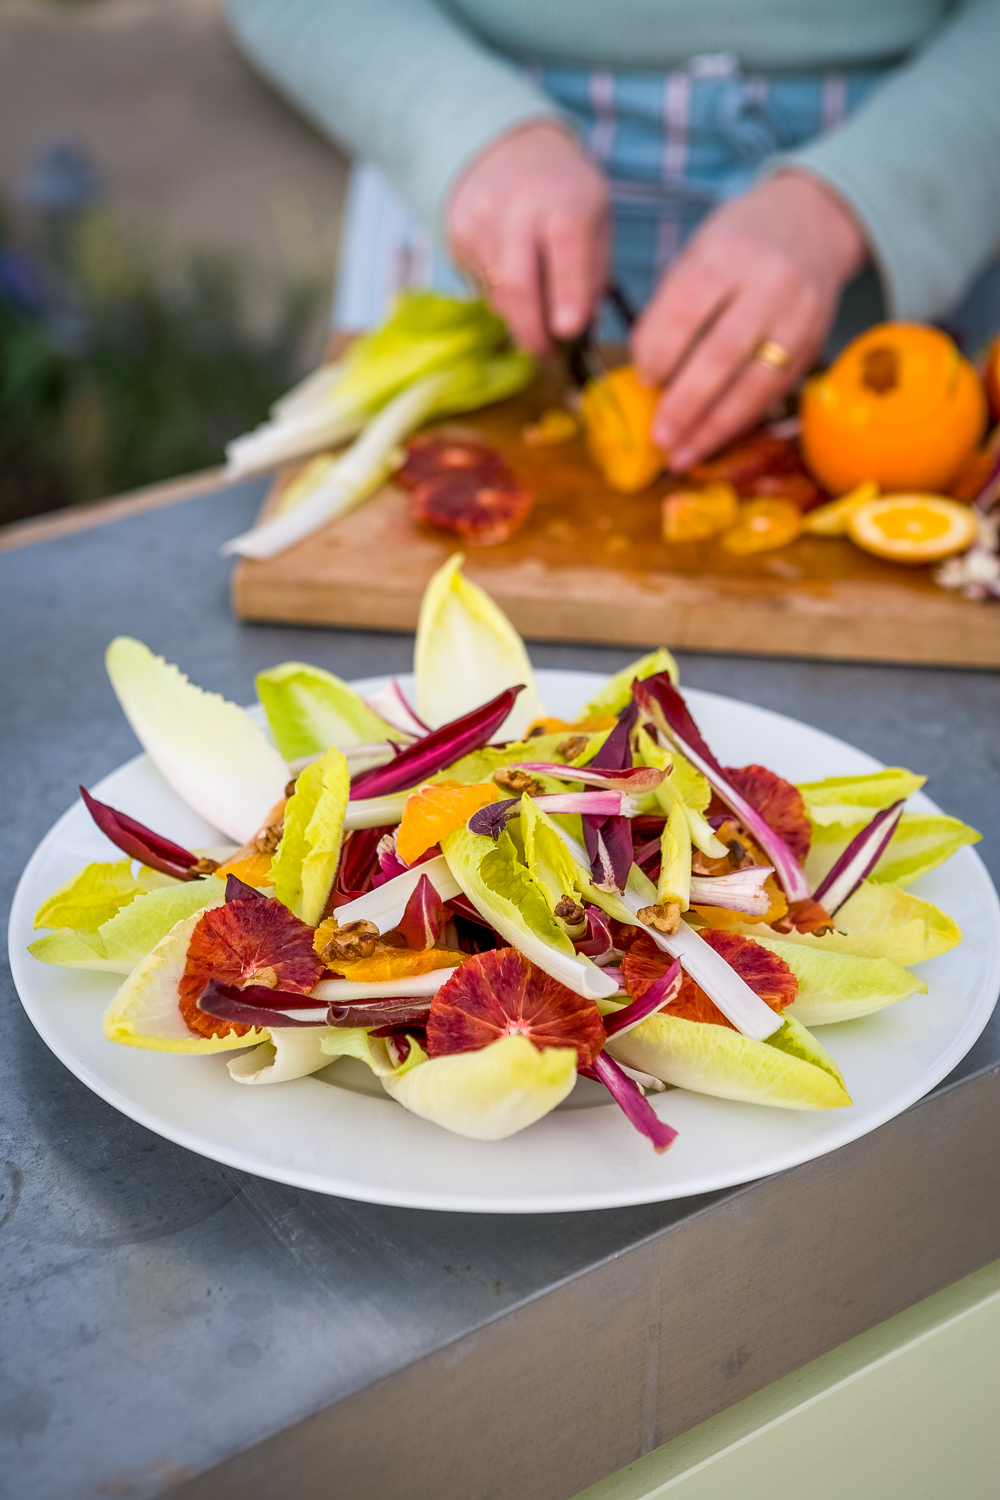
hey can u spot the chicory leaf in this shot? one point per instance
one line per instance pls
(309, 710)
(92, 896)
(305, 862)
(617, 691)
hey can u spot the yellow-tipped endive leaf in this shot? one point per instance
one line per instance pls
(856, 799)
(292, 1052)
(146, 1013)
(489, 1094)
(208, 749)
(309, 709)
(125, 939)
(838, 986)
(617, 691)
(881, 921)
(922, 841)
(467, 652)
(92, 896)
(355, 1041)
(305, 864)
(790, 1070)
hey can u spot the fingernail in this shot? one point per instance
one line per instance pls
(565, 321)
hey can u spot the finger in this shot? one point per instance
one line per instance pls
(747, 399)
(685, 303)
(572, 257)
(516, 286)
(714, 363)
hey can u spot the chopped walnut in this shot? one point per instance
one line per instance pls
(204, 866)
(570, 911)
(665, 919)
(290, 788)
(349, 943)
(268, 977)
(269, 838)
(571, 748)
(536, 731)
(513, 779)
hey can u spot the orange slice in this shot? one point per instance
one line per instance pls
(400, 963)
(433, 811)
(554, 426)
(832, 519)
(763, 526)
(695, 515)
(913, 528)
(593, 725)
(254, 870)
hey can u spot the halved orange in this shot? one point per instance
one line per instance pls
(763, 526)
(432, 811)
(913, 528)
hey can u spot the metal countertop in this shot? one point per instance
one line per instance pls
(162, 1315)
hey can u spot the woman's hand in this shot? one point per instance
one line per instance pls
(529, 221)
(768, 267)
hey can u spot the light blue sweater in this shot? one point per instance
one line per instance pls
(420, 87)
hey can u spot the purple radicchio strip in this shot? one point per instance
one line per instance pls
(424, 918)
(662, 703)
(630, 1097)
(389, 863)
(238, 890)
(390, 704)
(858, 859)
(141, 842)
(608, 841)
(597, 942)
(256, 1005)
(633, 779)
(743, 890)
(381, 1013)
(440, 748)
(659, 994)
(494, 817)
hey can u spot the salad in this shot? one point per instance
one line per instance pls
(481, 903)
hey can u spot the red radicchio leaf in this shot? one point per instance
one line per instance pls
(424, 918)
(360, 860)
(858, 859)
(140, 842)
(597, 940)
(608, 841)
(502, 992)
(255, 1005)
(767, 975)
(442, 747)
(629, 1096)
(233, 943)
(387, 1013)
(779, 803)
(238, 890)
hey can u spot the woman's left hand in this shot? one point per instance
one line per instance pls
(765, 270)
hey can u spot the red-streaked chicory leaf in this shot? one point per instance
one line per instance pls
(597, 942)
(390, 704)
(743, 890)
(424, 919)
(609, 841)
(441, 748)
(632, 1101)
(663, 705)
(238, 890)
(256, 1005)
(381, 1013)
(660, 993)
(140, 842)
(633, 779)
(858, 859)
(493, 818)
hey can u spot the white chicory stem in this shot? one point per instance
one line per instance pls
(342, 991)
(354, 476)
(743, 890)
(375, 812)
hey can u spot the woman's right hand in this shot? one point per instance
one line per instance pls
(528, 220)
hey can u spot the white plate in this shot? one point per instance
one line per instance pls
(335, 1133)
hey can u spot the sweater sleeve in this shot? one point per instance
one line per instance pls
(920, 165)
(398, 82)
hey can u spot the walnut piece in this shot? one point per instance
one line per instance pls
(665, 919)
(513, 779)
(571, 748)
(570, 911)
(204, 866)
(349, 943)
(268, 977)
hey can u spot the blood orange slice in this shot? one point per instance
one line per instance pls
(779, 803)
(766, 974)
(432, 456)
(501, 993)
(246, 942)
(483, 511)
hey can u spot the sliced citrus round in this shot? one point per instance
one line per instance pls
(256, 941)
(913, 528)
(502, 993)
(766, 974)
(433, 811)
(763, 526)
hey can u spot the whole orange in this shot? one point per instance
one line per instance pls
(900, 406)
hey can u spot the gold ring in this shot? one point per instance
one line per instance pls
(772, 354)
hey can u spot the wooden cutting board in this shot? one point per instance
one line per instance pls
(590, 565)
